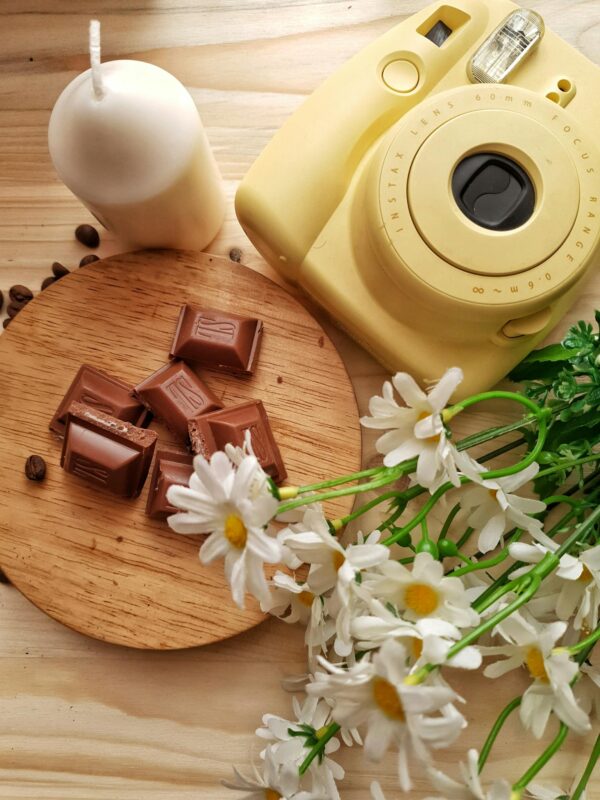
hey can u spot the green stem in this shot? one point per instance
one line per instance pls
(540, 415)
(589, 640)
(496, 728)
(568, 463)
(587, 773)
(318, 748)
(355, 476)
(448, 522)
(489, 562)
(367, 507)
(421, 515)
(541, 762)
(579, 532)
(465, 538)
(363, 487)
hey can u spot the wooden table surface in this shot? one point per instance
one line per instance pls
(81, 719)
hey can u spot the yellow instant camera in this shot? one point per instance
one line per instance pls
(439, 195)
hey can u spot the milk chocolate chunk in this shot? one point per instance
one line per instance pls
(171, 468)
(212, 432)
(176, 394)
(217, 339)
(104, 393)
(107, 451)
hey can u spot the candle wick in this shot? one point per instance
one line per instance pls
(95, 58)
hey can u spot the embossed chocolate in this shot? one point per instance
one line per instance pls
(104, 393)
(171, 468)
(211, 432)
(217, 339)
(106, 451)
(176, 394)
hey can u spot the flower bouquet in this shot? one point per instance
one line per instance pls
(474, 565)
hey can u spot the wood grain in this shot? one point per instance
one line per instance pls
(83, 720)
(96, 562)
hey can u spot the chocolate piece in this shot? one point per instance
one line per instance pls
(171, 468)
(107, 451)
(103, 392)
(217, 339)
(176, 394)
(212, 432)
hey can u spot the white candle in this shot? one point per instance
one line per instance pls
(126, 138)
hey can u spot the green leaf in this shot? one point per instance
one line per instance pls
(542, 364)
(577, 428)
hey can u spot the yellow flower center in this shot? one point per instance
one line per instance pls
(271, 794)
(586, 576)
(534, 661)
(386, 698)
(424, 415)
(421, 598)
(338, 559)
(493, 493)
(416, 645)
(235, 531)
(306, 598)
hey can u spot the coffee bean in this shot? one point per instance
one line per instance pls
(6, 322)
(4, 578)
(235, 254)
(59, 270)
(35, 468)
(13, 309)
(88, 260)
(20, 294)
(48, 281)
(87, 235)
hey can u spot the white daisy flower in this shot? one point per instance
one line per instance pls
(373, 691)
(331, 564)
(423, 591)
(551, 668)
(289, 743)
(580, 592)
(577, 592)
(587, 689)
(428, 639)
(536, 791)
(417, 429)
(347, 603)
(270, 783)
(470, 788)
(233, 505)
(493, 506)
(297, 602)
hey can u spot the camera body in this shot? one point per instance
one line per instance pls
(439, 195)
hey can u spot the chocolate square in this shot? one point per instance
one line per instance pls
(176, 394)
(107, 451)
(171, 468)
(101, 391)
(217, 339)
(211, 432)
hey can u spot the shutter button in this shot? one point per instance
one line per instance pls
(400, 76)
(527, 326)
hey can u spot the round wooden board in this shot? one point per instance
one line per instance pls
(95, 562)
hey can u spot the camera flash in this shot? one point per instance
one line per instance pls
(507, 46)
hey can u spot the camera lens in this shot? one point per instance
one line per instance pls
(493, 191)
